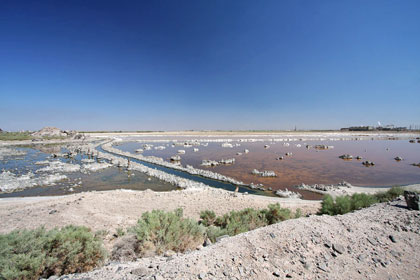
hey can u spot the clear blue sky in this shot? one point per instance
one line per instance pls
(168, 65)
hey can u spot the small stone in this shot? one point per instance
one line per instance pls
(201, 275)
(361, 257)
(328, 244)
(52, 212)
(372, 241)
(392, 239)
(395, 254)
(276, 273)
(221, 237)
(207, 242)
(272, 235)
(323, 267)
(141, 271)
(288, 275)
(241, 270)
(338, 248)
(169, 253)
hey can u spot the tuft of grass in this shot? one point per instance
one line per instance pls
(120, 232)
(31, 254)
(160, 231)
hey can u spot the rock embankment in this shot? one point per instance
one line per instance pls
(380, 242)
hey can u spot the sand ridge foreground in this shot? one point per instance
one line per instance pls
(353, 246)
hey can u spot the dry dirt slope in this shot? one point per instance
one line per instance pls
(352, 246)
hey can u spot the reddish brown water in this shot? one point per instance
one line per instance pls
(309, 166)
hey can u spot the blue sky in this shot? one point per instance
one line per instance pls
(172, 65)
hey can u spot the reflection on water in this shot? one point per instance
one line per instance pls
(309, 166)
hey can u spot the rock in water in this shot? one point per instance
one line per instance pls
(412, 200)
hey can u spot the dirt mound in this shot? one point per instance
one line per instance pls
(380, 242)
(54, 132)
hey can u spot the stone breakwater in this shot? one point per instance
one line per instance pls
(159, 161)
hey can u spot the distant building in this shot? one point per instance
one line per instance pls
(361, 128)
(371, 128)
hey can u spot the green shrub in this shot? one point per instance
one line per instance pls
(345, 204)
(208, 218)
(389, 195)
(160, 231)
(241, 221)
(275, 214)
(362, 200)
(327, 205)
(298, 213)
(31, 254)
(213, 232)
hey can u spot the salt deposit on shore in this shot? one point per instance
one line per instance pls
(10, 182)
(95, 166)
(345, 188)
(58, 166)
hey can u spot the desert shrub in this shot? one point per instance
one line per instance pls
(345, 204)
(160, 231)
(275, 213)
(213, 232)
(298, 213)
(327, 205)
(237, 222)
(342, 205)
(362, 200)
(389, 195)
(31, 254)
(120, 232)
(208, 218)
(126, 248)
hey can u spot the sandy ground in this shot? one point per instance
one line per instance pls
(109, 210)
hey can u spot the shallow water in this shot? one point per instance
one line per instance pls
(106, 179)
(309, 166)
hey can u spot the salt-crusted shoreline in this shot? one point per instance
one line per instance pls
(345, 188)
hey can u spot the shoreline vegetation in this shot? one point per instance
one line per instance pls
(30, 254)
